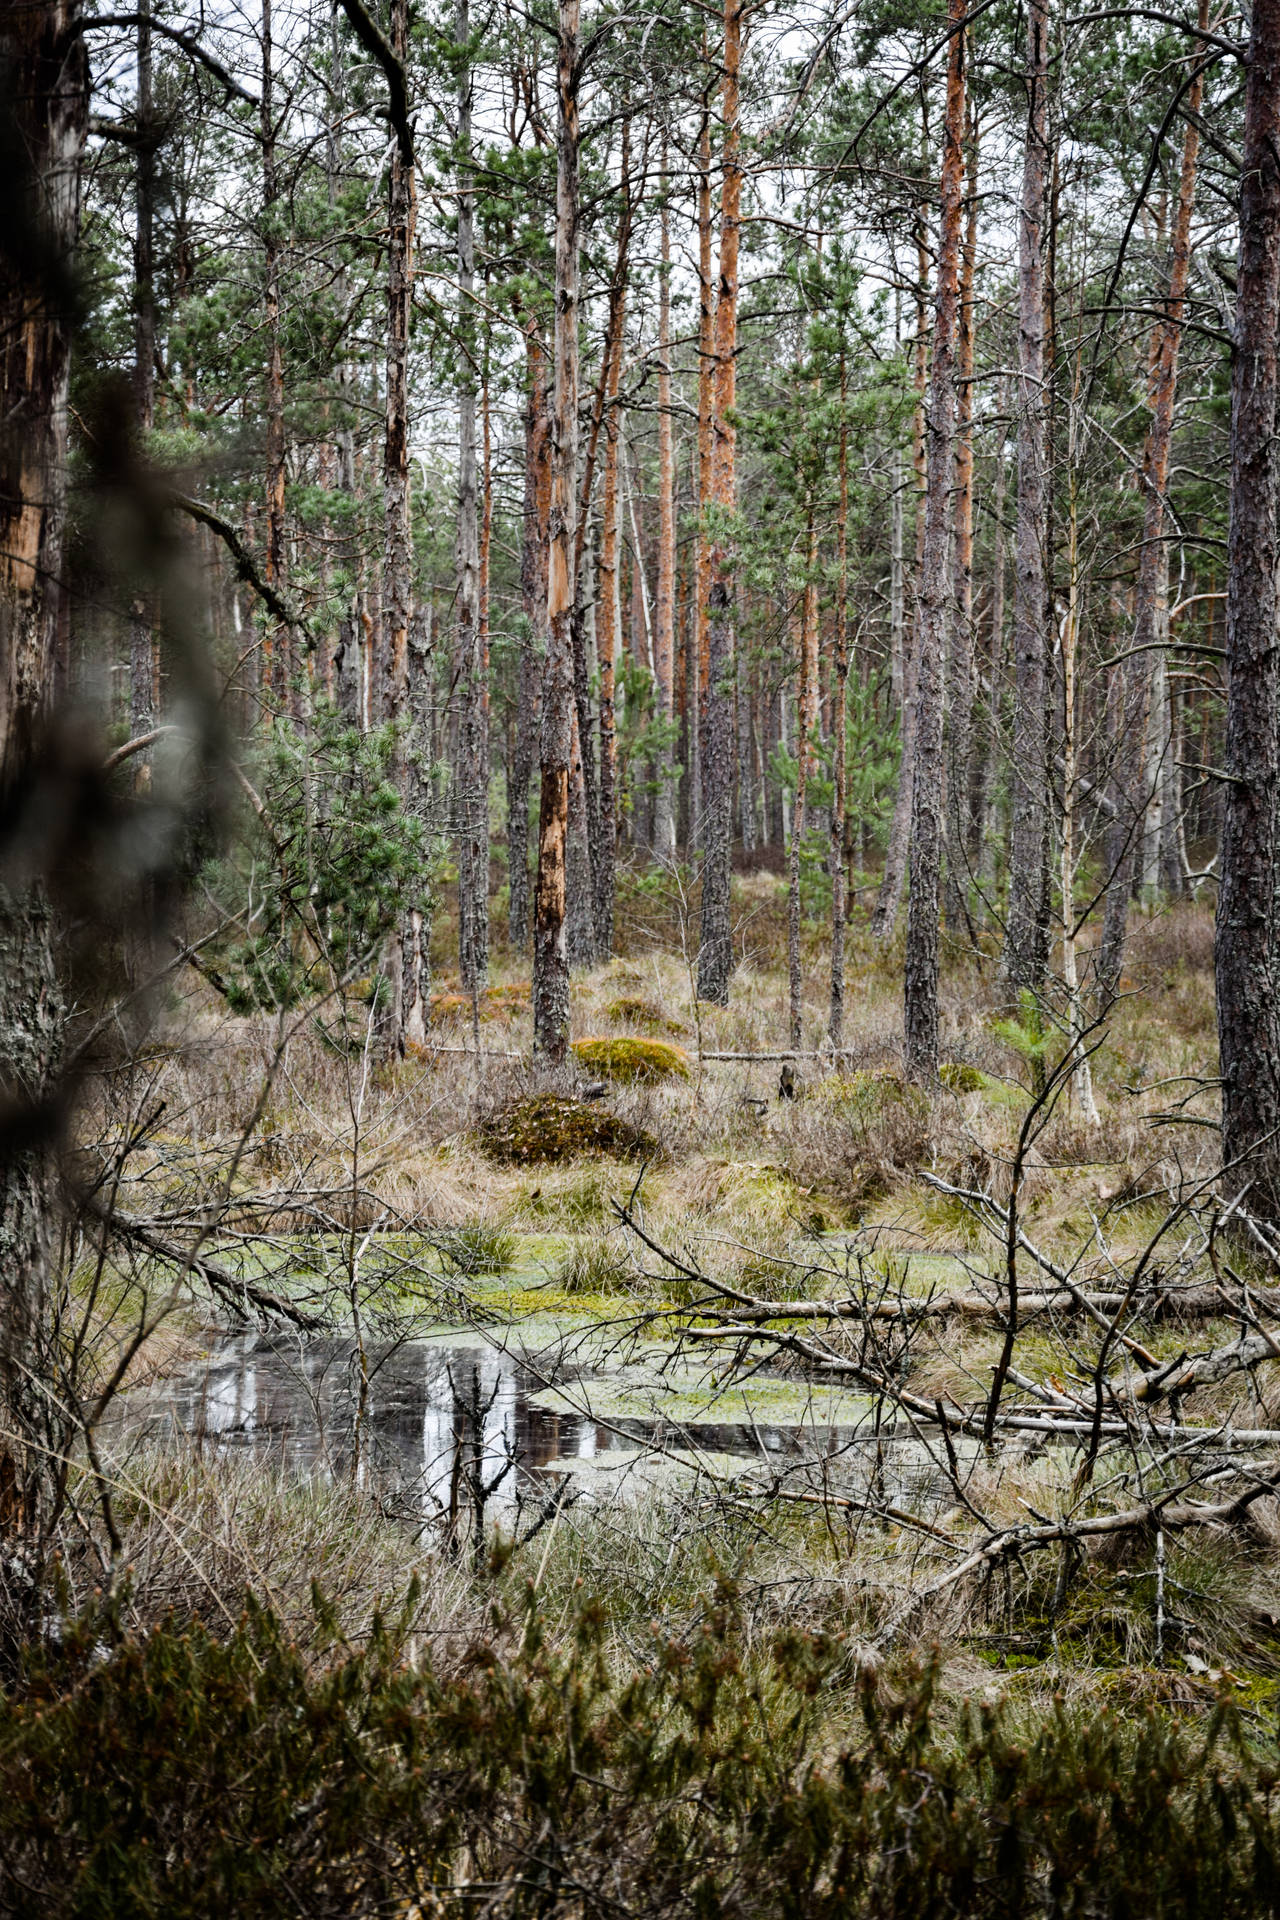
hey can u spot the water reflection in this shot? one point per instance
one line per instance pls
(450, 1428)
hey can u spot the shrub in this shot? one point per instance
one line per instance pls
(959, 1077)
(629, 1058)
(185, 1774)
(544, 1128)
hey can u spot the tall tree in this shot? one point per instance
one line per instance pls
(1131, 783)
(43, 73)
(664, 612)
(920, 984)
(1245, 948)
(472, 783)
(715, 954)
(550, 955)
(1023, 944)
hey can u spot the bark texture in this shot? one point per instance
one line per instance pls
(550, 954)
(471, 791)
(1245, 950)
(1023, 944)
(920, 980)
(533, 637)
(715, 953)
(42, 72)
(1133, 762)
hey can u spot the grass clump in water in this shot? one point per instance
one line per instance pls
(544, 1129)
(476, 1248)
(591, 1265)
(631, 1058)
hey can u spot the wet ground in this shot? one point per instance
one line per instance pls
(457, 1421)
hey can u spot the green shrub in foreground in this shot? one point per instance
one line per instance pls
(183, 1774)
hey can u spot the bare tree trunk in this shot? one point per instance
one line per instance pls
(806, 719)
(277, 646)
(393, 692)
(960, 849)
(1245, 948)
(44, 77)
(920, 984)
(1129, 787)
(533, 601)
(705, 444)
(1029, 773)
(839, 726)
(472, 782)
(550, 955)
(141, 645)
(715, 955)
(885, 915)
(664, 836)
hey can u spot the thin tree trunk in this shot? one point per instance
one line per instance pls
(839, 726)
(141, 645)
(1129, 788)
(960, 849)
(471, 791)
(1245, 947)
(1028, 772)
(806, 720)
(885, 914)
(550, 955)
(608, 634)
(533, 601)
(715, 955)
(277, 662)
(920, 983)
(45, 77)
(397, 565)
(664, 836)
(705, 445)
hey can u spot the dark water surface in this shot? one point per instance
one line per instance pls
(448, 1415)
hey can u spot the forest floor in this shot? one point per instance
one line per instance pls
(375, 1198)
(607, 1397)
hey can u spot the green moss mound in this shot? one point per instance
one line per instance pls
(544, 1129)
(630, 1059)
(636, 1011)
(959, 1077)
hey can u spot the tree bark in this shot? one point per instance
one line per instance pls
(961, 851)
(472, 787)
(550, 955)
(1023, 959)
(142, 717)
(393, 691)
(700, 635)
(664, 625)
(1131, 783)
(277, 645)
(1245, 947)
(920, 983)
(715, 955)
(839, 726)
(43, 73)
(533, 601)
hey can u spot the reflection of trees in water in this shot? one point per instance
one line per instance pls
(446, 1437)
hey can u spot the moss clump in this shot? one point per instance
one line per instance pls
(959, 1077)
(629, 1059)
(544, 1129)
(636, 1011)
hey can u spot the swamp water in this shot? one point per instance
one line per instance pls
(454, 1422)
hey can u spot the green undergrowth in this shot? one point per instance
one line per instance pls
(711, 1772)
